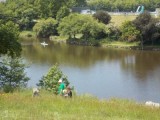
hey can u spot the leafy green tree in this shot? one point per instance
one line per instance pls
(50, 8)
(9, 44)
(122, 5)
(80, 24)
(112, 31)
(50, 80)
(129, 32)
(45, 28)
(63, 12)
(91, 28)
(12, 74)
(99, 4)
(70, 25)
(102, 16)
(147, 27)
(80, 3)
(26, 17)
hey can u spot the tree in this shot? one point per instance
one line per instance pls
(49, 8)
(102, 16)
(12, 74)
(9, 33)
(45, 28)
(129, 32)
(80, 3)
(26, 17)
(63, 12)
(112, 31)
(50, 80)
(91, 28)
(122, 5)
(147, 27)
(80, 24)
(70, 25)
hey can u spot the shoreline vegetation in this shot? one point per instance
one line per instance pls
(21, 105)
(27, 35)
(105, 42)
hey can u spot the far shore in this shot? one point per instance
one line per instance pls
(26, 35)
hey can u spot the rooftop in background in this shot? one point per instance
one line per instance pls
(2, 0)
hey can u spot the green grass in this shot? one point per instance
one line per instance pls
(59, 38)
(27, 34)
(63, 38)
(22, 106)
(119, 44)
(119, 19)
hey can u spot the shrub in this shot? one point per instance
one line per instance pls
(112, 31)
(129, 32)
(12, 74)
(102, 16)
(147, 27)
(45, 28)
(50, 80)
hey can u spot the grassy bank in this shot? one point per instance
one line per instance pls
(27, 34)
(22, 106)
(119, 19)
(119, 44)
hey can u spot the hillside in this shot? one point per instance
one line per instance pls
(22, 106)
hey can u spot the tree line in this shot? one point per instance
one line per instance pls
(52, 17)
(24, 12)
(123, 5)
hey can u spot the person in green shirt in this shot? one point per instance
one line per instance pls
(61, 87)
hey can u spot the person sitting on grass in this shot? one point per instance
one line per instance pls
(61, 87)
(67, 92)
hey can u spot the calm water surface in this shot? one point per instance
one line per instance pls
(101, 72)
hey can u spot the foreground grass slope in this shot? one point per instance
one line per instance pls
(22, 106)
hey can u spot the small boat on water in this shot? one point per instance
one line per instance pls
(44, 44)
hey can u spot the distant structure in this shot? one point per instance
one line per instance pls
(2, 0)
(157, 12)
(152, 104)
(140, 9)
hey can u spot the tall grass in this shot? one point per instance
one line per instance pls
(22, 106)
(119, 19)
(118, 44)
(27, 34)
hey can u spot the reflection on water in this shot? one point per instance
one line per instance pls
(102, 72)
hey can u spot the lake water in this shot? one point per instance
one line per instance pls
(102, 72)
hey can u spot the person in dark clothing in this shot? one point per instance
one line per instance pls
(69, 92)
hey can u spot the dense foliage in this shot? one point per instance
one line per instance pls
(102, 16)
(146, 24)
(123, 5)
(12, 74)
(24, 12)
(51, 17)
(129, 32)
(80, 24)
(50, 80)
(9, 33)
(45, 28)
